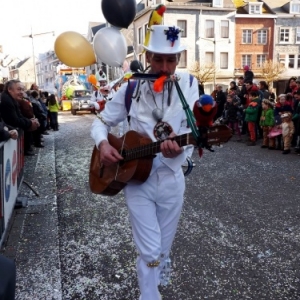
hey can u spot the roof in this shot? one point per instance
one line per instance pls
(207, 3)
(241, 6)
(277, 6)
(21, 63)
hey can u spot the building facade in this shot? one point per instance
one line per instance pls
(208, 34)
(46, 71)
(286, 39)
(255, 28)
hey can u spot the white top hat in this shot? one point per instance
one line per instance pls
(165, 40)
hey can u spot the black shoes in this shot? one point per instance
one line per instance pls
(286, 151)
(263, 146)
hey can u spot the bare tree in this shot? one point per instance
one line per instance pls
(203, 72)
(271, 70)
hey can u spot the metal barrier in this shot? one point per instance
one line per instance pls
(11, 177)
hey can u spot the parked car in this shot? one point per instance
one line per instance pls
(81, 101)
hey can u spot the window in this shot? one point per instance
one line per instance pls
(255, 8)
(246, 60)
(217, 3)
(182, 24)
(46, 69)
(224, 29)
(247, 36)
(262, 36)
(297, 34)
(140, 35)
(224, 60)
(210, 28)
(291, 61)
(209, 57)
(295, 8)
(284, 35)
(261, 58)
(183, 60)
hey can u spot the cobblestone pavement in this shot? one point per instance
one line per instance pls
(238, 237)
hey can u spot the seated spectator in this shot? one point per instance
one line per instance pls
(11, 113)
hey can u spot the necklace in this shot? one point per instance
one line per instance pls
(162, 129)
(157, 113)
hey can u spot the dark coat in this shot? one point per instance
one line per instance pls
(26, 108)
(11, 114)
(4, 134)
(282, 108)
(231, 111)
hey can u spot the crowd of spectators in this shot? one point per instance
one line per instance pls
(250, 108)
(33, 111)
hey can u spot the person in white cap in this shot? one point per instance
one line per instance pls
(154, 206)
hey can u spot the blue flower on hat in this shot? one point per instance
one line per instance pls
(172, 34)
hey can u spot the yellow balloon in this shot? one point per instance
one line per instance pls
(74, 50)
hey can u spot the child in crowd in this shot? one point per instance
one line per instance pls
(288, 130)
(267, 122)
(251, 117)
(280, 107)
(53, 111)
(231, 113)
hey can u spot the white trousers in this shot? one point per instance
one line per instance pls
(154, 211)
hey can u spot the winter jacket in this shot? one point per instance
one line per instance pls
(268, 116)
(245, 98)
(26, 108)
(4, 134)
(282, 108)
(231, 111)
(252, 111)
(11, 114)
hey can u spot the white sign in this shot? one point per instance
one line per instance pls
(10, 174)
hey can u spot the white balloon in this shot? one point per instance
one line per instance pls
(110, 46)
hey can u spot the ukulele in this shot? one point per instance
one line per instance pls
(138, 152)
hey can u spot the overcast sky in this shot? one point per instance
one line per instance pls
(18, 16)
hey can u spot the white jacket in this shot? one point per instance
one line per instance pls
(141, 119)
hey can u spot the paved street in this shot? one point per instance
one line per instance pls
(238, 237)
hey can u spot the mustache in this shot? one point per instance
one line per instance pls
(164, 74)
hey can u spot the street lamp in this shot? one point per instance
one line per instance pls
(31, 35)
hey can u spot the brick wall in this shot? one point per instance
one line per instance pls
(253, 49)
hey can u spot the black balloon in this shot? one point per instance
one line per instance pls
(119, 13)
(136, 66)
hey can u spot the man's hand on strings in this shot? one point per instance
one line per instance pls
(108, 154)
(169, 148)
